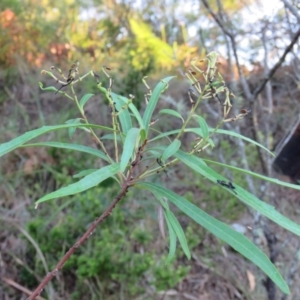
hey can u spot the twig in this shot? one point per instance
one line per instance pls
(37, 248)
(271, 241)
(292, 9)
(276, 66)
(128, 183)
(269, 98)
(271, 72)
(234, 48)
(19, 287)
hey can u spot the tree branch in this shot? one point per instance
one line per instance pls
(128, 182)
(234, 48)
(276, 66)
(292, 9)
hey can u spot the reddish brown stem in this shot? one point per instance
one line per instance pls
(128, 182)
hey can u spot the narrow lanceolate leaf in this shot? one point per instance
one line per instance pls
(137, 115)
(49, 88)
(111, 137)
(171, 112)
(199, 132)
(171, 150)
(172, 236)
(75, 147)
(129, 146)
(84, 184)
(264, 208)
(84, 173)
(22, 139)
(163, 201)
(273, 180)
(211, 142)
(162, 85)
(156, 150)
(236, 240)
(234, 134)
(123, 115)
(143, 134)
(85, 98)
(179, 232)
(203, 126)
(72, 130)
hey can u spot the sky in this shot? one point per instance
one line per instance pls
(251, 15)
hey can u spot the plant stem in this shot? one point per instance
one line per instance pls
(124, 189)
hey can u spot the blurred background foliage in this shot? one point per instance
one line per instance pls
(124, 259)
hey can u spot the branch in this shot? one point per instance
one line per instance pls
(234, 48)
(128, 183)
(271, 241)
(292, 9)
(86, 235)
(12, 283)
(276, 66)
(258, 90)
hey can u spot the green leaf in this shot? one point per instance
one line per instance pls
(137, 115)
(171, 150)
(212, 144)
(129, 145)
(273, 180)
(124, 115)
(216, 83)
(172, 248)
(84, 184)
(199, 132)
(171, 112)
(172, 235)
(84, 173)
(49, 88)
(75, 147)
(179, 232)
(121, 101)
(153, 101)
(212, 59)
(156, 150)
(249, 199)
(85, 98)
(168, 133)
(203, 126)
(162, 201)
(234, 134)
(143, 134)
(236, 240)
(29, 135)
(110, 137)
(72, 130)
